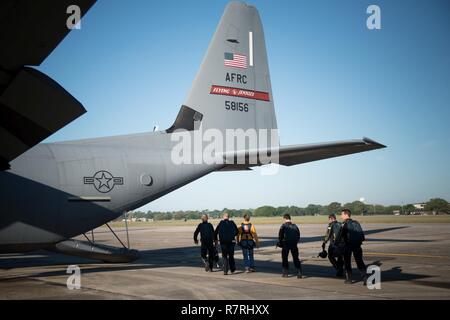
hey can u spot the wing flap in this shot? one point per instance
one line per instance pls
(32, 107)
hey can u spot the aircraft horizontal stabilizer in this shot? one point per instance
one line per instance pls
(297, 154)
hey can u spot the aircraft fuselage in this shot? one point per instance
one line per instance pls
(57, 191)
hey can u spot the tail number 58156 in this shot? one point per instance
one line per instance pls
(236, 106)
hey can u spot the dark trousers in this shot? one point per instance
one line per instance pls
(285, 253)
(337, 262)
(358, 255)
(228, 256)
(207, 252)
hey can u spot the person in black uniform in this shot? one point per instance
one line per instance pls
(207, 238)
(334, 248)
(353, 236)
(288, 238)
(227, 232)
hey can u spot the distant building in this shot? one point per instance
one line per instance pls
(142, 219)
(419, 206)
(396, 212)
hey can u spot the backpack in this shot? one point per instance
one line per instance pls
(335, 232)
(246, 231)
(291, 233)
(247, 241)
(355, 233)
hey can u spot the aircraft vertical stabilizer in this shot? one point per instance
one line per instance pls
(232, 88)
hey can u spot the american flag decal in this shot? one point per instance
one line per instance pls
(235, 60)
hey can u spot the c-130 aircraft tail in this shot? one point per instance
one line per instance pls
(55, 191)
(232, 88)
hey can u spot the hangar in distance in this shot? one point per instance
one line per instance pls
(53, 192)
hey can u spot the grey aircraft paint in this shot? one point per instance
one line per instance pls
(55, 191)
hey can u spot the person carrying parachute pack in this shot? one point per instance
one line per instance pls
(227, 232)
(206, 231)
(288, 238)
(334, 249)
(353, 237)
(248, 240)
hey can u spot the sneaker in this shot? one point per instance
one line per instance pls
(247, 270)
(252, 270)
(299, 274)
(285, 273)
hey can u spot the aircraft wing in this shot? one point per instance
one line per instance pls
(30, 29)
(32, 105)
(297, 154)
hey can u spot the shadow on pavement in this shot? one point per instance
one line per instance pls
(188, 257)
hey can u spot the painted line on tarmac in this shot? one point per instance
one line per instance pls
(412, 255)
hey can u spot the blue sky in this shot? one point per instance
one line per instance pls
(133, 62)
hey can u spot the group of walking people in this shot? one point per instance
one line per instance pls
(228, 234)
(344, 240)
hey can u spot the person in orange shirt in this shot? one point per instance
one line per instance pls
(248, 240)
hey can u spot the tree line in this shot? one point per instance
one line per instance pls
(433, 206)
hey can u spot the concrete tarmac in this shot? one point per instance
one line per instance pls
(414, 261)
